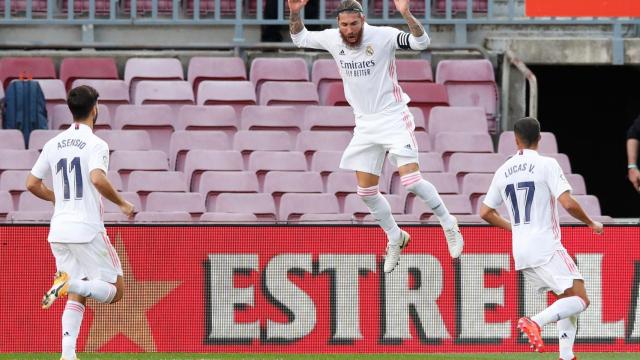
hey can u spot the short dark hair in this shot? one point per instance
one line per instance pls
(81, 101)
(527, 129)
(349, 6)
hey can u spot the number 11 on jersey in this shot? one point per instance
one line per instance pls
(75, 165)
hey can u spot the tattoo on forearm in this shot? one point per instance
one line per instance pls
(415, 27)
(295, 23)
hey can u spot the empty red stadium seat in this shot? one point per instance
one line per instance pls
(266, 140)
(31, 67)
(333, 95)
(164, 92)
(125, 139)
(183, 141)
(72, 69)
(62, 118)
(113, 93)
(164, 217)
(198, 161)
(131, 197)
(426, 96)
(507, 143)
(228, 217)
(138, 69)
(218, 117)
(125, 161)
(238, 94)
(80, 7)
(165, 7)
(326, 76)
(148, 181)
(288, 93)
(216, 182)
(326, 161)
(286, 118)
(29, 202)
(12, 159)
(11, 139)
(328, 118)
(293, 205)
(292, 182)
(277, 69)
(30, 216)
(414, 70)
(463, 163)
(263, 161)
(261, 205)
(215, 68)
(479, 6)
(448, 142)
(457, 119)
(192, 203)
(577, 184)
(6, 203)
(39, 137)
(157, 120)
(310, 141)
(563, 161)
(589, 203)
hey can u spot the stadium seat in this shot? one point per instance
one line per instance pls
(115, 179)
(474, 185)
(219, 117)
(332, 94)
(12, 159)
(456, 119)
(423, 141)
(311, 141)
(323, 73)
(14, 180)
(30, 216)
(207, 7)
(131, 197)
(38, 138)
(265, 140)
(125, 139)
(470, 83)
(589, 203)
(288, 93)
(431, 162)
(228, 217)
(339, 183)
(238, 94)
(11, 139)
(183, 141)
(72, 69)
(29, 202)
(418, 118)
(425, 96)
(173, 93)
(277, 182)
(293, 205)
(449, 142)
(198, 161)
(354, 205)
(577, 184)
(507, 143)
(38, 7)
(62, 118)
(325, 219)
(138, 69)
(456, 204)
(326, 161)
(6, 203)
(126, 161)
(149, 181)
(263, 161)
(464, 163)
(477, 6)
(286, 118)
(328, 118)
(113, 93)
(157, 120)
(414, 70)
(192, 203)
(163, 216)
(30, 67)
(563, 161)
(54, 94)
(81, 7)
(261, 205)
(277, 69)
(214, 68)
(216, 182)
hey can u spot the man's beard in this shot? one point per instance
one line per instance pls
(358, 39)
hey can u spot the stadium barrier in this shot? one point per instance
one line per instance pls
(317, 289)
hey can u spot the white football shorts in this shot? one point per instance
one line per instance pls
(556, 275)
(377, 134)
(93, 260)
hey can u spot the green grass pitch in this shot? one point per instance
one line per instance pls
(182, 356)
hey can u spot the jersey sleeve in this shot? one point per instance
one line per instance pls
(556, 180)
(99, 157)
(634, 130)
(311, 39)
(406, 41)
(493, 199)
(41, 166)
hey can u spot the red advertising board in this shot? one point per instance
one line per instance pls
(603, 8)
(316, 289)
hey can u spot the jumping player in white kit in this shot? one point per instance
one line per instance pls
(365, 56)
(531, 185)
(87, 264)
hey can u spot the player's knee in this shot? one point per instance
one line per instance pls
(585, 300)
(369, 193)
(411, 181)
(118, 296)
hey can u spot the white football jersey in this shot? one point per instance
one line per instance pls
(71, 156)
(369, 71)
(529, 185)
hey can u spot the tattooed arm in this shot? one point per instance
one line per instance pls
(295, 22)
(419, 39)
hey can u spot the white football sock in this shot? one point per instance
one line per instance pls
(567, 328)
(559, 310)
(427, 192)
(98, 290)
(381, 211)
(71, 321)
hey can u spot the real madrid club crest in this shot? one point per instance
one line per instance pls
(369, 50)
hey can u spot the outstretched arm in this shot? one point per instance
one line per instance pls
(415, 27)
(295, 21)
(417, 38)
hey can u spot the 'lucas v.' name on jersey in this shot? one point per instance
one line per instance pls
(529, 185)
(369, 70)
(70, 157)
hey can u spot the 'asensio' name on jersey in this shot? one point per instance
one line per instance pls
(71, 142)
(357, 68)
